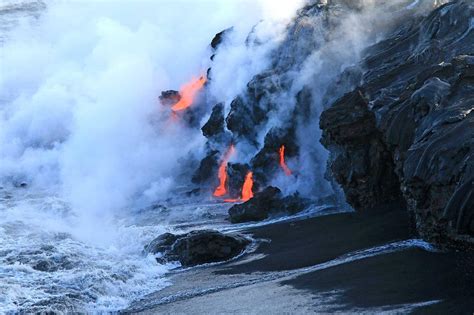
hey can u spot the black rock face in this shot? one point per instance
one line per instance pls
(219, 38)
(216, 124)
(360, 161)
(207, 168)
(197, 247)
(410, 125)
(266, 162)
(267, 203)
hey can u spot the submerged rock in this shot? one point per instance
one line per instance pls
(197, 247)
(267, 203)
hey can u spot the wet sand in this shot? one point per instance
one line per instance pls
(275, 279)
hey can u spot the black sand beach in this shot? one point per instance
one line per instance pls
(277, 277)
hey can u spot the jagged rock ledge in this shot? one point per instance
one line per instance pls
(407, 130)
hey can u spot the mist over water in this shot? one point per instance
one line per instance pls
(79, 92)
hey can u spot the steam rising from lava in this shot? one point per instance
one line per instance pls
(78, 90)
(188, 93)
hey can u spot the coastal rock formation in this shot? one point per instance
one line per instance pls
(267, 203)
(407, 130)
(197, 247)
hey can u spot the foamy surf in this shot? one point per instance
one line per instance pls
(44, 267)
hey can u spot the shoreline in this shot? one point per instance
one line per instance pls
(287, 273)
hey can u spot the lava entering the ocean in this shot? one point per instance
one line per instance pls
(282, 161)
(247, 188)
(188, 93)
(221, 190)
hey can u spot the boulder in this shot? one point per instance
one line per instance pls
(197, 247)
(267, 203)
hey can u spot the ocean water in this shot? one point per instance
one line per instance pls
(43, 266)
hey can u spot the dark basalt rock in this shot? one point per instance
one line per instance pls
(207, 168)
(169, 98)
(216, 123)
(161, 244)
(360, 161)
(265, 204)
(266, 162)
(219, 38)
(197, 247)
(413, 117)
(244, 119)
(44, 258)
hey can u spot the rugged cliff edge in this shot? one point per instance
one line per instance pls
(407, 130)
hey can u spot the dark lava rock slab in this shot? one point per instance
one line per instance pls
(215, 125)
(207, 168)
(412, 115)
(219, 37)
(265, 204)
(360, 161)
(197, 247)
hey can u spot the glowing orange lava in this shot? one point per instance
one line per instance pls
(247, 192)
(282, 161)
(188, 93)
(221, 190)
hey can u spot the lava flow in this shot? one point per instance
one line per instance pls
(188, 93)
(221, 190)
(247, 188)
(282, 161)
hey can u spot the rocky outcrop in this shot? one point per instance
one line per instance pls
(197, 247)
(215, 126)
(361, 162)
(267, 203)
(408, 129)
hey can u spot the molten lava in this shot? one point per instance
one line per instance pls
(188, 93)
(247, 192)
(221, 190)
(247, 189)
(282, 161)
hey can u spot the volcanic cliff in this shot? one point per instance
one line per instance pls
(387, 88)
(406, 131)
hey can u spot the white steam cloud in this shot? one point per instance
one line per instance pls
(78, 93)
